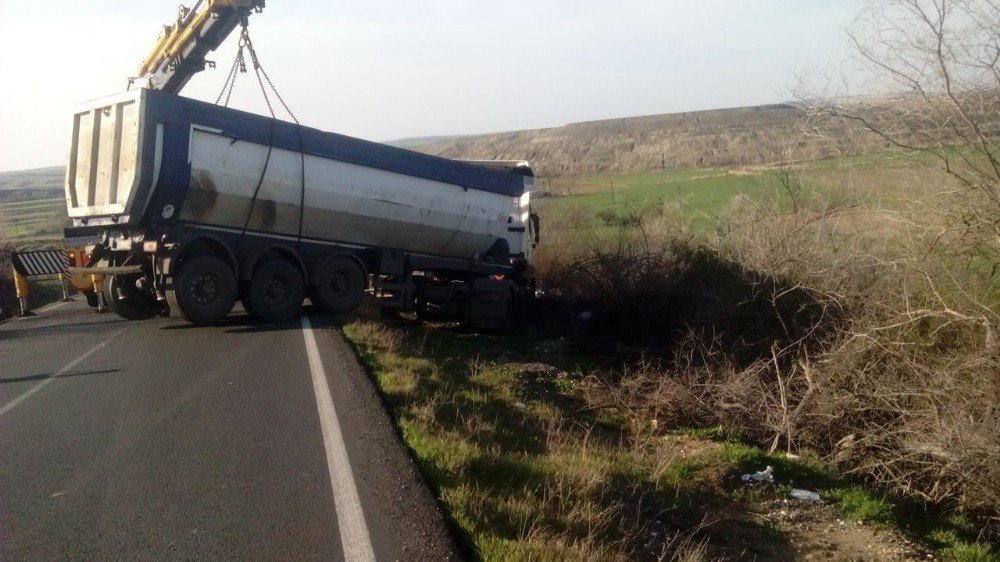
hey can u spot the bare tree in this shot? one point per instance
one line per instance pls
(932, 71)
(941, 60)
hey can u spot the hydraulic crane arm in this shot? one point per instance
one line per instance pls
(181, 49)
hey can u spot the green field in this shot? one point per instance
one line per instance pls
(699, 194)
(33, 224)
(32, 207)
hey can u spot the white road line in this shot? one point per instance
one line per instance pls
(13, 403)
(354, 537)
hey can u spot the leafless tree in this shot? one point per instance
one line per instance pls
(941, 61)
(931, 75)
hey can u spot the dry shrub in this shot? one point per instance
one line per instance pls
(651, 400)
(807, 321)
(380, 336)
(648, 287)
(921, 419)
(904, 391)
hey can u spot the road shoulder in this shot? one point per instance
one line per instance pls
(385, 473)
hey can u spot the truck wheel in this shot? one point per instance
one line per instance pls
(125, 300)
(275, 292)
(340, 285)
(204, 290)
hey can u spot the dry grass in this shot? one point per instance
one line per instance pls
(810, 321)
(528, 463)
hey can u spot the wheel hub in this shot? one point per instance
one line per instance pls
(338, 284)
(204, 289)
(275, 290)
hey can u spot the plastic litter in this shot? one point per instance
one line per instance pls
(805, 495)
(766, 475)
(585, 315)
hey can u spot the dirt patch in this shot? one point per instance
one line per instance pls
(820, 532)
(687, 447)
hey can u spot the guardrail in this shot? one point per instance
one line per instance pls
(34, 266)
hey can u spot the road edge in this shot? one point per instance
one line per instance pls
(443, 539)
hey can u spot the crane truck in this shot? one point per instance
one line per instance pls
(191, 207)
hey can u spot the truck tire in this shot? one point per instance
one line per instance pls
(125, 300)
(204, 290)
(340, 285)
(275, 292)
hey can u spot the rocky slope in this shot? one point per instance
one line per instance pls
(724, 137)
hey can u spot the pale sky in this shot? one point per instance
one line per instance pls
(389, 69)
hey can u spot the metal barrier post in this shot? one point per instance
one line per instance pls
(23, 289)
(98, 290)
(62, 282)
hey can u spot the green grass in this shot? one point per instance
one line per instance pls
(953, 536)
(46, 204)
(33, 224)
(525, 470)
(517, 471)
(699, 194)
(43, 293)
(702, 195)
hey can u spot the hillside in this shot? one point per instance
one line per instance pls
(33, 207)
(414, 143)
(723, 137)
(32, 185)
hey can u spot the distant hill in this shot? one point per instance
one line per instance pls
(31, 185)
(414, 143)
(723, 137)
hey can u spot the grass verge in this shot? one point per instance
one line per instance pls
(526, 468)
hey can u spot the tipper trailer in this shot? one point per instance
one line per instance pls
(192, 206)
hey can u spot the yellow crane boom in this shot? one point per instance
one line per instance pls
(180, 51)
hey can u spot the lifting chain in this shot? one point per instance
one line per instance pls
(240, 67)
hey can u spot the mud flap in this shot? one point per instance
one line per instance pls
(491, 305)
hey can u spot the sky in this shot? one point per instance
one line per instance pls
(391, 69)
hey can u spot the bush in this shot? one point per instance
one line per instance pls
(812, 325)
(630, 218)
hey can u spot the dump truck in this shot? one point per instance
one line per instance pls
(195, 206)
(188, 207)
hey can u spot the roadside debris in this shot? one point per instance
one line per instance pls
(766, 475)
(805, 495)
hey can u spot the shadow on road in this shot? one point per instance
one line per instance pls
(23, 330)
(241, 320)
(53, 375)
(244, 324)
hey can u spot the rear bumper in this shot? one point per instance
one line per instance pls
(98, 270)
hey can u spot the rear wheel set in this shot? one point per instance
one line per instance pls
(340, 285)
(204, 290)
(275, 292)
(125, 299)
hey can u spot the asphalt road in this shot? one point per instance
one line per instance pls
(161, 440)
